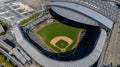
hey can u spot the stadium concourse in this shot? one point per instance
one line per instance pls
(96, 20)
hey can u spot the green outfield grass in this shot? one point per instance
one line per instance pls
(57, 29)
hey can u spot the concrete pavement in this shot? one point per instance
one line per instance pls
(112, 55)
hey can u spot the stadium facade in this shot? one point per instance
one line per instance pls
(95, 15)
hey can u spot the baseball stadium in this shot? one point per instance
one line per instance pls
(73, 36)
(64, 41)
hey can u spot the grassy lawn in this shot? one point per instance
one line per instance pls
(62, 44)
(57, 29)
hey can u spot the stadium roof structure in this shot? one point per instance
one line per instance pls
(104, 13)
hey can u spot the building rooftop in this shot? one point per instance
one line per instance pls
(14, 11)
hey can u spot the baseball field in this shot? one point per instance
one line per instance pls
(60, 37)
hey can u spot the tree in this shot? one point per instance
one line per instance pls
(8, 64)
(2, 59)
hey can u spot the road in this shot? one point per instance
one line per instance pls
(112, 55)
